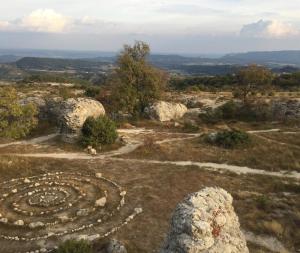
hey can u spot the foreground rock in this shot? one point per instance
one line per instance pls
(205, 222)
(166, 111)
(74, 112)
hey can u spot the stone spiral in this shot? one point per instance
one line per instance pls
(55, 205)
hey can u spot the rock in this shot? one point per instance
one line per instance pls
(37, 224)
(19, 223)
(98, 175)
(205, 222)
(26, 181)
(101, 202)
(166, 111)
(74, 112)
(289, 109)
(115, 246)
(3, 220)
(63, 218)
(82, 212)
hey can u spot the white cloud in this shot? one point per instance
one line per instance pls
(45, 20)
(268, 29)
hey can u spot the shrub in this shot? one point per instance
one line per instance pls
(92, 91)
(190, 127)
(72, 246)
(237, 111)
(229, 139)
(16, 120)
(98, 131)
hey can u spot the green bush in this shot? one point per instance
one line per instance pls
(92, 91)
(98, 131)
(16, 120)
(229, 139)
(237, 111)
(72, 246)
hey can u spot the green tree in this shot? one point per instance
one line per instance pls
(138, 83)
(98, 131)
(16, 120)
(251, 80)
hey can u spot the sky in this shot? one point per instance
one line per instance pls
(169, 26)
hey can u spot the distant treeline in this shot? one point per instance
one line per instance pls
(289, 82)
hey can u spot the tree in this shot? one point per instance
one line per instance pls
(251, 80)
(98, 131)
(137, 83)
(16, 120)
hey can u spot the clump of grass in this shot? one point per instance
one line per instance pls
(73, 246)
(263, 202)
(229, 139)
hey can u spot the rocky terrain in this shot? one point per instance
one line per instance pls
(141, 183)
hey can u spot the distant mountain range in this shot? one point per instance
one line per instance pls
(280, 61)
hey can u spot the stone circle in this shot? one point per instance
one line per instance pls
(58, 204)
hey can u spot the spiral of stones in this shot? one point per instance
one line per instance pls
(47, 203)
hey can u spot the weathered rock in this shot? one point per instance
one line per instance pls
(166, 111)
(75, 111)
(289, 109)
(3, 220)
(205, 222)
(37, 224)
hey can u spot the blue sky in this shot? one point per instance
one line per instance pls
(189, 26)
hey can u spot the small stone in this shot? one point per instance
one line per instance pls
(138, 210)
(19, 223)
(82, 212)
(14, 191)
(37, 224)
(98, 175)
(101, 202)
(26, 181)
(4, 220)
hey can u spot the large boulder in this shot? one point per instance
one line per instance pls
(205, 222)
(166, 111)
(289, 109)
(74, 112)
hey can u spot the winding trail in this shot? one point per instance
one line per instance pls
(134, 138)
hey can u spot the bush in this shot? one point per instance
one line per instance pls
(99, 131)
(92, 91)
(72, 246)
(229, 139)
(237, 111)
(16, 120)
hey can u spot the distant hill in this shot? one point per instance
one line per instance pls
(57, 64)
(267, 58)
(8, 58)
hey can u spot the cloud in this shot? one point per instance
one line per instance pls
(45, 20)
(268, 29)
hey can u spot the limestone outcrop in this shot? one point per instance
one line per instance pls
(166, 111)
(289, 109)
(74, 112)
(205, 221)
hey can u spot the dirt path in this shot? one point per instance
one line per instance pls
(134, 139)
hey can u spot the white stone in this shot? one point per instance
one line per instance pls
(98, 175)
(19, 223)
(4, 220)
(37, 224)
(101, 202)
